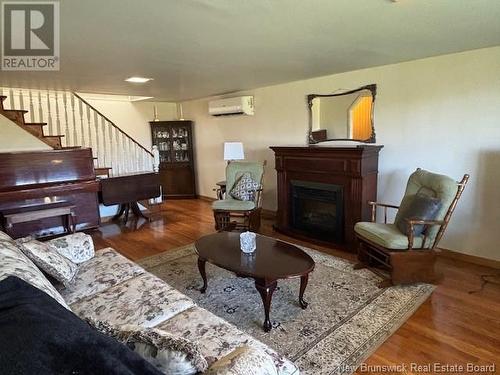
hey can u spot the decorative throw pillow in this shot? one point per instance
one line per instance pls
(168, 353)
(14, 263)
(417, 206)
(49, 260)
(245, 188)
(77, 247)
(244, 361)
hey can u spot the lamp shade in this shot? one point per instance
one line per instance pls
(233, 151)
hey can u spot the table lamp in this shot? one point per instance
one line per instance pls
(233, 151)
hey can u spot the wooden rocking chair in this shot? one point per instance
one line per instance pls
(232, 214)
(407, 258)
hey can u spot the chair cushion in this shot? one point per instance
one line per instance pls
(417, 206)
(144, 300)
(103, 271)
(49, 260)
(233, 205)
(386, 235)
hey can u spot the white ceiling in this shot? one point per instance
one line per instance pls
(197, 48)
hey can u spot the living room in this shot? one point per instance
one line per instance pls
(178, 187)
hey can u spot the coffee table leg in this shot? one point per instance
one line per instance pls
(266, 292)
(201, 267)
(303, 284)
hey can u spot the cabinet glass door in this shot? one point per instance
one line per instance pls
(180, 144)
(163, 139)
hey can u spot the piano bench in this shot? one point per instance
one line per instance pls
(37, 209)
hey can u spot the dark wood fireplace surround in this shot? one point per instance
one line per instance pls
(355, 169)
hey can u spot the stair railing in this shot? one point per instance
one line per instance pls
(67, 113)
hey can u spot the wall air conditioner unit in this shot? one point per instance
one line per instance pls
(241, 105)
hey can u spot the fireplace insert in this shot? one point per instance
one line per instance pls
(317, 210)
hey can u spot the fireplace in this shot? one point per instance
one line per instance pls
(317, 210)
(323, 191)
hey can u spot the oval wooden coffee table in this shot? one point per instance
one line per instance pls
(271, 261)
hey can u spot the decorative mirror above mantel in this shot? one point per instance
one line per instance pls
(344, 116)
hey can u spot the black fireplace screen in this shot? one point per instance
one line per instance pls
(317, 210)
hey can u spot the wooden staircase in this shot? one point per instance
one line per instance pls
(63, 119)
(37, 130)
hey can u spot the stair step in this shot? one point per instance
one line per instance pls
(16, 110)
(35, 128)
(16, 115)
(70, 147)
(102, 171)
(36, 123)
(53, 140)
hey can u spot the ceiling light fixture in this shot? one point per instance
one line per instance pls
(138, 79)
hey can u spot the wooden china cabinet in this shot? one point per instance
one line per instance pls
(175, 143)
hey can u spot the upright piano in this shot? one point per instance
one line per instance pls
(54, 175)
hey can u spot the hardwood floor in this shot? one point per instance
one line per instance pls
(453, 327)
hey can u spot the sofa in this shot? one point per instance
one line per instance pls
(110, 288)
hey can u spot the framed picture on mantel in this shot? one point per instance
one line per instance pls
(174, 140)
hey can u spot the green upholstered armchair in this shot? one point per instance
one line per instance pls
(231, 213)
(408, 257)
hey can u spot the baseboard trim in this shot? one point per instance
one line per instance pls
(268, 214)
(205, 198)
(480, 261)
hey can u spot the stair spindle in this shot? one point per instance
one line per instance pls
(104, 148)
(58, 118)
(49, 115)
(10, 100)
(32, 107)
(130, 164)
(40, 107)
(66, 120)
(82, 126)
(97, 140)
(119, 168)
(89, 128)
(73, 117)
(21, 100)
(111, 148)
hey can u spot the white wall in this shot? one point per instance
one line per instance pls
(133, 117)
(13, 138)
(441, 114)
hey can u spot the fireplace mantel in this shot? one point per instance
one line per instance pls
(355, 169)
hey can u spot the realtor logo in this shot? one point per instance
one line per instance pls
(30, 35)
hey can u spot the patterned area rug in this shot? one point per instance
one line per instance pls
(347, 319)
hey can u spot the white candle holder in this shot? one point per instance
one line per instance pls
(248, 242)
